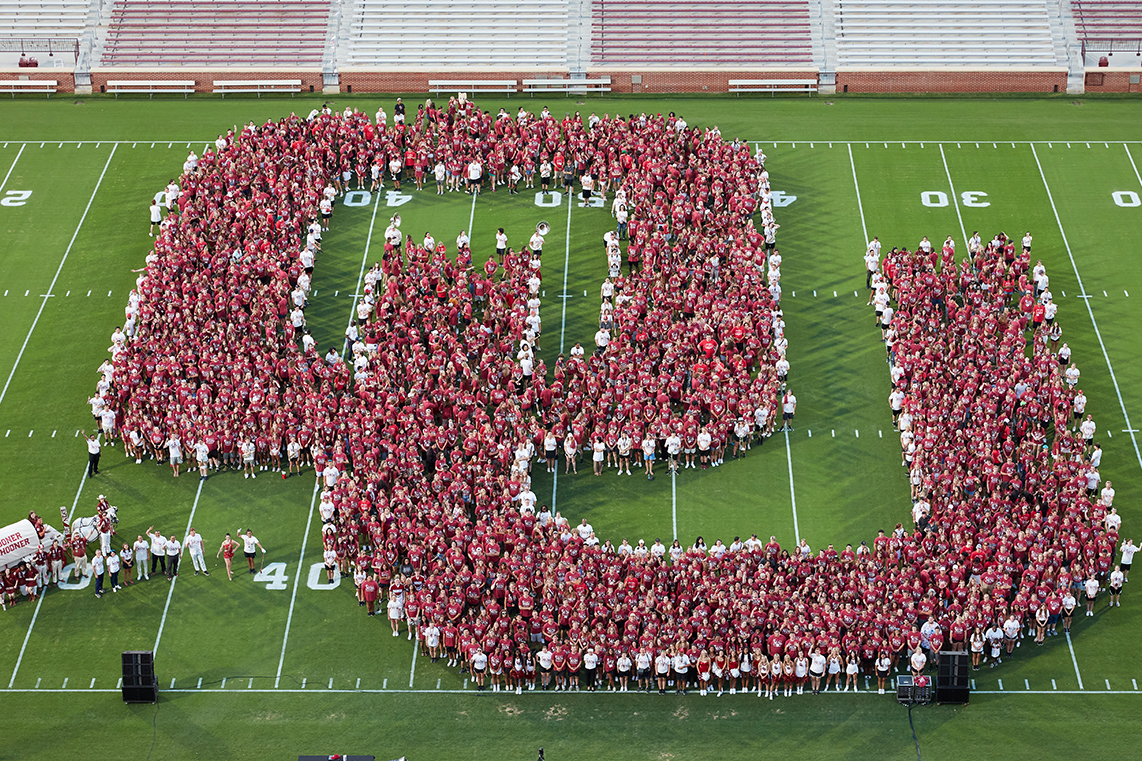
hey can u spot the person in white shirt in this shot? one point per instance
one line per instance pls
(1087, 429)
(658, 549)
(249, 543)
(788, 409)
(994, 637)
(1090, 587)
(1128, 551)
(1117, 578)
(94, 448)
(141, 549)
(1107, 495)
(918, 661)
(158, 551)
(602, 338)
(329, 555)
(174, 552)
(195, 546)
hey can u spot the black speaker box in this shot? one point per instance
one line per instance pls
(139, 682)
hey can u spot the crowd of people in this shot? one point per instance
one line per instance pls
(425, 433)
(1011, 525)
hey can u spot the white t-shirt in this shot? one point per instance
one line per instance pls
(193, 544)
(249, 543)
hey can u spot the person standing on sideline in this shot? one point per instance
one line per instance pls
(1128, 551)
(141, 551)
(249, 542)
(113, 566)
(871, 260)
(156, 215)
(174, 553)
(227, 550)
(98, 568)
(788, 408)
(127, 558)
(194, 546)
(1090, 586)
(1116, 580)
(93, 448)
(158, 551)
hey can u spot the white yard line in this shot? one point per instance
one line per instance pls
(18, 153)
(297, 580)
(792, 493)
(1090, 311)
(563, 330)
(412, 672)
(36, 612)
(361, 276)
(472, 215)
(566, 269)
(170, 592)
(674, 500)
(955, 198)
(1074, 660)
(59, 269)
(860, 205)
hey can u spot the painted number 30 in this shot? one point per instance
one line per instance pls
(970, 198)
(15, 198)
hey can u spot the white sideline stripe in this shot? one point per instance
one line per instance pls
(1074, 660)
(58, 270)
(955, 198)
(5, 182)
(39, 602)
(170, 592)
(792, 493)
(860, 206)
(296, 580)
(1090, 311)
(361, 276)
(297, 691)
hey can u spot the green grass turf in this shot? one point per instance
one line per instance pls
(846, 487)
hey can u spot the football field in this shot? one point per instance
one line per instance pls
(281, 663)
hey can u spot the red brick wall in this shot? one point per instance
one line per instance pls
(204, 79)
(1112, 81)
(952, 81)
(65, 80)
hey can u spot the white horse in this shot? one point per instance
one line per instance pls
(88, 528)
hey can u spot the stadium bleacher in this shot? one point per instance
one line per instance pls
(434, 34)
(1105, 27)
(944, 33)
(215, 33)
(670, 33)
(49, 30)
